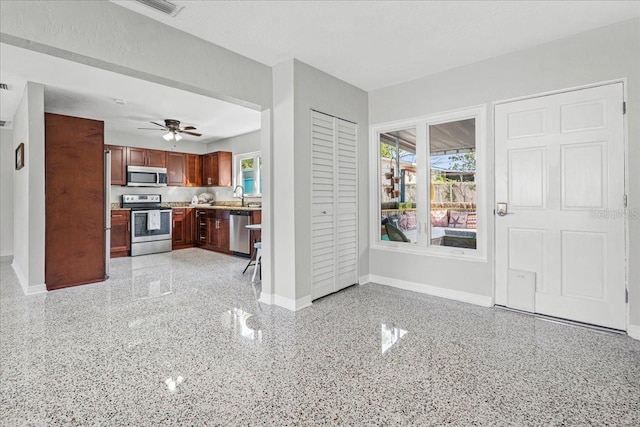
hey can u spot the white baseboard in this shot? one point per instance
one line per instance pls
(37, 289)
(364, 279)
(633, 331)
(28, 290)
(293, 305)
(21, 277)
(266, 298)
(476, 299)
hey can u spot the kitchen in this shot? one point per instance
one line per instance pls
(202, 222)
(117, 106)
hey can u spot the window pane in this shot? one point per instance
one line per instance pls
(398, 186)
(248, 169)
(452, 147)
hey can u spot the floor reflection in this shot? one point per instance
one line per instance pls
(149, 280)
(236, 320)
(389, 336)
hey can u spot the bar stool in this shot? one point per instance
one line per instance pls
(256, 254)
(258, 250)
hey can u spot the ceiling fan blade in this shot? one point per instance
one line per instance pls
(188, 128)
(158, 124)
(189, 133)
(164, 130)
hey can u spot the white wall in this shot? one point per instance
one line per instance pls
(603, 54)
(105, 35)
(6, 192)
(28, 191)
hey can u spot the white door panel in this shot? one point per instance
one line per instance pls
(559, 161)
(333, 204)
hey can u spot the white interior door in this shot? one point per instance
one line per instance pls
(560, 250)
(333, 204)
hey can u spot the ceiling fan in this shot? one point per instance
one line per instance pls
(173, 129)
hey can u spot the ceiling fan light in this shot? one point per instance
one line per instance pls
(177, 136)
(168, 136)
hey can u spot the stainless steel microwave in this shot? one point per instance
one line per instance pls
(145, 176)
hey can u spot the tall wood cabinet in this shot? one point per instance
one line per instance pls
(74, 201)
(334, 195)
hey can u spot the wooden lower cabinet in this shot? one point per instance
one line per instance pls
(212, 229)
(183, 227)
(120, 233)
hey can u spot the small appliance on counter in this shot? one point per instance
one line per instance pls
(150, 224)
(206, 198)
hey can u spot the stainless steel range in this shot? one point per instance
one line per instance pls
(150, 224)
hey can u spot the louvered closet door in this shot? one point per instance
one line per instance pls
(334, 207)
(346, 221)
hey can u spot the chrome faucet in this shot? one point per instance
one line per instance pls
(241, 194)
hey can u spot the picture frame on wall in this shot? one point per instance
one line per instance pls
(20, 156)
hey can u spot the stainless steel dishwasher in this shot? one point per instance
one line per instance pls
(238, 233)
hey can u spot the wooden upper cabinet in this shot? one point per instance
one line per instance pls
(176, 173)
(136, 156)
(216, 169)
(146, 157)
(157, 158)
(118, 164)
(194, 170)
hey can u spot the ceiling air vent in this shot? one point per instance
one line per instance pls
(162, 5)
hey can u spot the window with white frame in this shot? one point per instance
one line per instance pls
(248, 172)
(430, 188)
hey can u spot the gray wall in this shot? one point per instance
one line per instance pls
(108, 36)
(28, 191)
(603, 54)
(6, 192)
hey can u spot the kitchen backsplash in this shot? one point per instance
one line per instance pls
(176, 194)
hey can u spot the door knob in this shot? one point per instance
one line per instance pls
(501, 209)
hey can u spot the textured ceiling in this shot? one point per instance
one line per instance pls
(374, 44)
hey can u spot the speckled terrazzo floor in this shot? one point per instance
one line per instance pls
(179, 339)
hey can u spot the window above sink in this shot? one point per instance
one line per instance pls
(247, 171)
